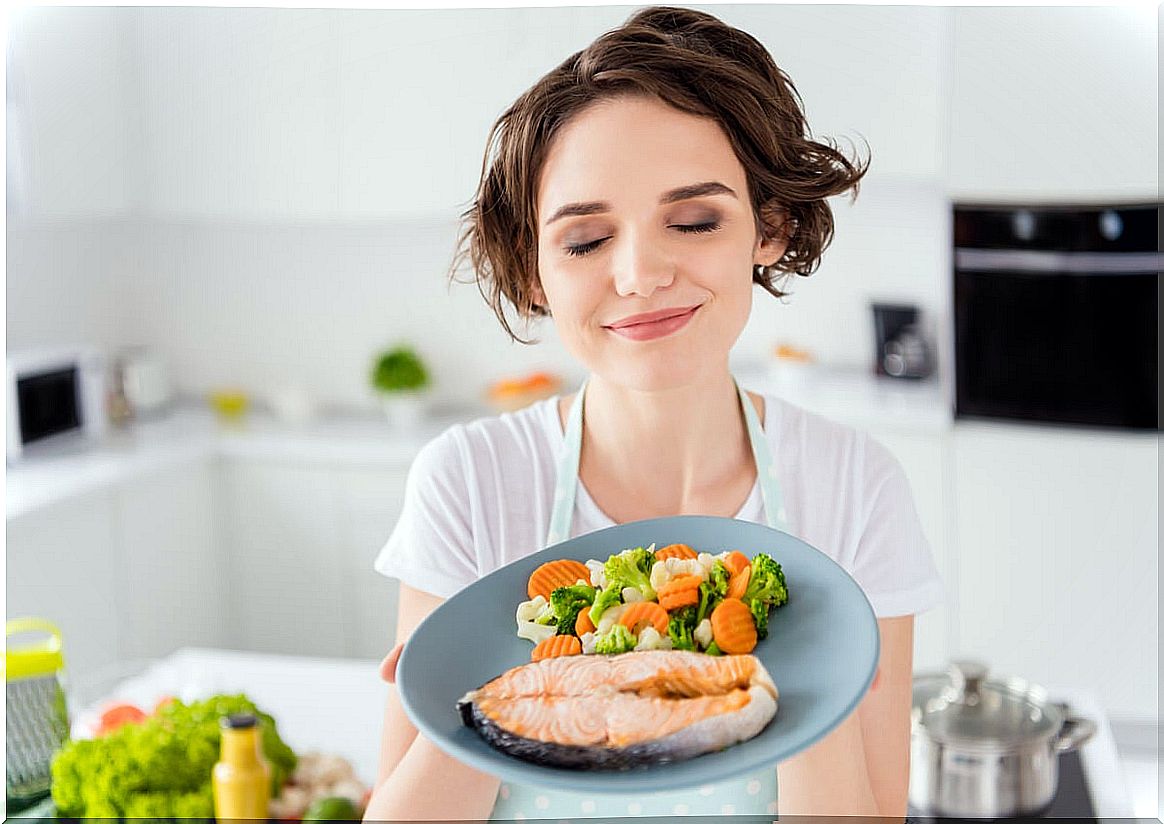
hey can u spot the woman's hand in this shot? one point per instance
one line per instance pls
(388, 665)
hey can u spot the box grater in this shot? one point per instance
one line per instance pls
(38, 721)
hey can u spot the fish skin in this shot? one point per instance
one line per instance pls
(689, 702)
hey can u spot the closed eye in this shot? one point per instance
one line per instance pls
(688, 229)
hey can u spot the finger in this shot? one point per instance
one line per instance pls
(388, 665)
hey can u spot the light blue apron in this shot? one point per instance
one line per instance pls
(753, 794)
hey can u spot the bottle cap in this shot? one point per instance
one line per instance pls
(238, 721)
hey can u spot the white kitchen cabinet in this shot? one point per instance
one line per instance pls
(370, 501)
(301, 539)
(127, 571)
(63, 564)
(71, 126)
(171, 591)
(1058, 572)
(925, 457)
(1056, 103)
(239, 111)
(286, 570)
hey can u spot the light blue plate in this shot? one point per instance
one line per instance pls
(822, 651)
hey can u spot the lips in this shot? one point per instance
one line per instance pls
(651, 317)
(653, 325)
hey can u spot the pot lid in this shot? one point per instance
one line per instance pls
(962, 707)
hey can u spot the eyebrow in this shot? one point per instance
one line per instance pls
(595, 207)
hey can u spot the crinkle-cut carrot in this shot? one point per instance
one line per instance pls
(732, 627)
(675, 551)
(556, 645)
(647, 612)
(553, 574)
(736, 562)
(680, 583)
(738, 583)
(583, 624)
(682, 598)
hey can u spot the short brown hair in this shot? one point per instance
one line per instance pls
(690, 60)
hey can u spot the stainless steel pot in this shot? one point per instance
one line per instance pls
(986, 749)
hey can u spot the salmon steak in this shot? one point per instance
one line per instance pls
(621, 711)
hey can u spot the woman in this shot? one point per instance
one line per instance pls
(637, 194)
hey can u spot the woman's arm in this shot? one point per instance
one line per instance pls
(861, 767)
(416, 780)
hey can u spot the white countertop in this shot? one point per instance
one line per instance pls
(191, 431)
(336, 705)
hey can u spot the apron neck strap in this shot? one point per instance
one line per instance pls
(566, 487)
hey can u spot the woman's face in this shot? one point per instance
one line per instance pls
(644, 210)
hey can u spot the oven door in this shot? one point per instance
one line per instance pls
(1057, 337)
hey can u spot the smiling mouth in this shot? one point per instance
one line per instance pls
(655, 328)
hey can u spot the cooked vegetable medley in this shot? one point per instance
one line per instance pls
(670, 598)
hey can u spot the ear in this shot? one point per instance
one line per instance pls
(777, 232)
(539, 297)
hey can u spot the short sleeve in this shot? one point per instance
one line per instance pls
(431, 546)
(894, 562)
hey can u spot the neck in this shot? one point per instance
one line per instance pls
(670, 447)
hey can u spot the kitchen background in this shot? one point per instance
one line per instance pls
(264, 200)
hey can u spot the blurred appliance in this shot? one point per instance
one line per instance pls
(901, 350)
(54, 396)
(1055, 314)
(144, 380)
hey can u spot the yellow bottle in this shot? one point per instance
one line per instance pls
(242, 777)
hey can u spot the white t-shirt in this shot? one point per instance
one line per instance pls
(479, 496)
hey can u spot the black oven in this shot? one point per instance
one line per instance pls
(1056, 314)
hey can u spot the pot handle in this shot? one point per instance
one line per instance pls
(1075, 732)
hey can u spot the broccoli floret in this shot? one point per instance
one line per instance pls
(766, 582)
(712, 591)
(567, 602)
(760, 615)
(680, 627)
(631, 568)
(618, 639)
(766, 588)
(606, 598)
(718, 577)
(714, 649)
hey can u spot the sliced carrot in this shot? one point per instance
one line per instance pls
(680, 583)
(556, 645)
(732, 627)
(584, 624)
(738, 583)
(682, 598)
(736, 562)
(553, 574)
(675, 551)
(644, 612)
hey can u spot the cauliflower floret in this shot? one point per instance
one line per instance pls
(650, 638)
(597, 573)
(707, 561)
(527, 614)
(535, 632)
(631, 595)
(702, 633)
(610, 618)
(530, 610)
(663, 571)
(589, 642)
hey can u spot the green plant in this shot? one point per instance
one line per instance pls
(398, 370)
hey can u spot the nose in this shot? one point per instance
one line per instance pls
(641, 265)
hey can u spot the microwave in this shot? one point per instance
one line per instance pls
(1055, 314)
(55, 399)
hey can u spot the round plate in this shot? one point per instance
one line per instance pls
(822, 651)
